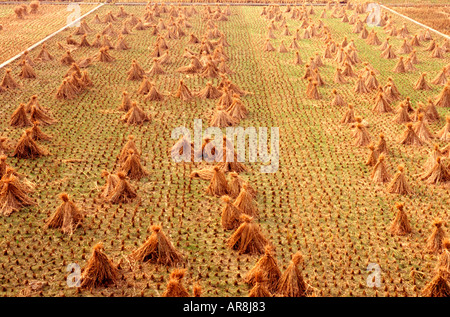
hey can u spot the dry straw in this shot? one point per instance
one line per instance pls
(409, 137)
(111, 181)
(218, 185)
(400, 225)
(13, 195)
(259, 289)
(135, 115)
(230, 217)
(444, 133)
(27, 148)
(132, 166)
(438, 286)
(158, 249)
(235, 185)
(379, 172)
(123, 192)
(421, 129)
(291, 282)
(267, 267)
(361, 136)
(435, 241)
(19, 118)
(248, 238)
(99, 270)
(437, 174)
(246, 203)
(67, 216)
(399, 184)
(175, 287)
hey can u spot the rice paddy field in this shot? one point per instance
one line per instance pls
(438, 18)
(18, 34)
(323, 201)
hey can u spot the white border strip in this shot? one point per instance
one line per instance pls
(414, 21)
(143, 3)
(49, 36)
(244, 4)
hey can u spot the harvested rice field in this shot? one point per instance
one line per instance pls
(19, 33)
(94, 203)
(437, 18)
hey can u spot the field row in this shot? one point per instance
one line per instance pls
(320, 202)
(17, 34)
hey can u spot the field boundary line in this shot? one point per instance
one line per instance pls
(244, 4)
(416, 22)
(143, 3)
(12, 59)
(51, 2)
